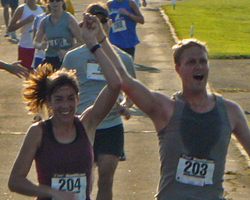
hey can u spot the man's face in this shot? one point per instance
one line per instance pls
(193, 69)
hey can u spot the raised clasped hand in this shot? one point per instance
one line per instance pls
(90, 27)
(123, 110)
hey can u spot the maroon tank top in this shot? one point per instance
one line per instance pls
(54, 158)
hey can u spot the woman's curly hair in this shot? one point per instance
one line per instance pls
(43, 82)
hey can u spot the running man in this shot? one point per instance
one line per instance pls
(194, 126)
(109, 138)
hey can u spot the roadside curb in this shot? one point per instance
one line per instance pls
(172, 30)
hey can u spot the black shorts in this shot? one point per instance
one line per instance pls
(54, 61)
(13, 3)
(109, 141)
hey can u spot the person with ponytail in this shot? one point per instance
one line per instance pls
(62, 146)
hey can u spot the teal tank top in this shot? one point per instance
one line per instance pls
(58, 35)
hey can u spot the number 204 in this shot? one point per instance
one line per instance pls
(70, 184)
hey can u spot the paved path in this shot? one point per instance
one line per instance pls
(137, 177)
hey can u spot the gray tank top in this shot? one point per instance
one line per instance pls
(200, 135)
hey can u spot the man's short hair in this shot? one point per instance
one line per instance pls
(185, 44)
(96, 8)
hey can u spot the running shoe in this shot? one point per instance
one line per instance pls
(13, 35)
(122, 156)
(7, 34)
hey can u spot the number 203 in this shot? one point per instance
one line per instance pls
(195, 168)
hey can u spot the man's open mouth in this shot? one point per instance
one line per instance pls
(198, 77)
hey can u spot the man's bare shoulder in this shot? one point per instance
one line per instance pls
(164, 106)
(163, 97)
(235, 112)
(232, 105)
(20, 8)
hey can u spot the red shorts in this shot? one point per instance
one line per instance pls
(26, 55)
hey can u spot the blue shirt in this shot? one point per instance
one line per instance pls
(123, 30)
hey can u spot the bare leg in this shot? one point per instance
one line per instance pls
(6, 18)
(6, 14)
(12, 11)
(13, 34)
(107, 165)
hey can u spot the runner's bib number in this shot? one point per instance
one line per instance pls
(59, 42)
(94, 72)
(195, 171)
(119, 25)
(76, 183)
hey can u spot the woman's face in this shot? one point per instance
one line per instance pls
(63, 102)
(56, 4)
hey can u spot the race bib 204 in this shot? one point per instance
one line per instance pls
(76, 183)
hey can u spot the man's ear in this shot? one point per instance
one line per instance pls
(78, 99)
(48, 103)
(110, 22)
(177, 67)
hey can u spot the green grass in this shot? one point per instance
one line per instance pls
(224, 25)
